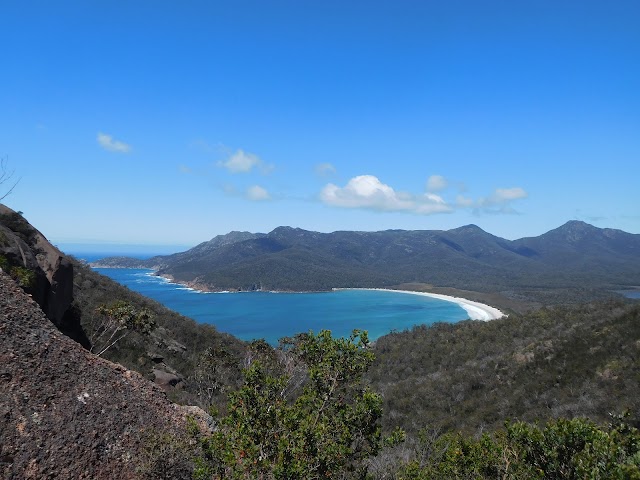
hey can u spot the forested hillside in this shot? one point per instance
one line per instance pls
(580, 259)
(551, 363)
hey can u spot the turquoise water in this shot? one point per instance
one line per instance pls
(252, 315)
(631, 294)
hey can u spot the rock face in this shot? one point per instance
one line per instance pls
(65, 413)
(52, 287)
(59, 273)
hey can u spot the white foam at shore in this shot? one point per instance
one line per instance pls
(475, 310)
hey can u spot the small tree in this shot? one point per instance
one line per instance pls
(117, 320)
(213, 365)
(327, 430)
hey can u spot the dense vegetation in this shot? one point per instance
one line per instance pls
(551, 363)
(303, 412)
(561, 449)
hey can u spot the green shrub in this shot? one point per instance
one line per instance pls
(562, 449)
(26, 278)
(118, 319)
(314, 420)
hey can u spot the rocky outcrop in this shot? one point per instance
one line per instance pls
(58, 270)
(65, 413)
(52, 283)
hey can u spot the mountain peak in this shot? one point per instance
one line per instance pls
(467, 229)
(287, 230)
(577, 224)
(575, 230)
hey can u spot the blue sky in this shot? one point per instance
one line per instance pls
(168, 123)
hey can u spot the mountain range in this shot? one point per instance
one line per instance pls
(575, 255)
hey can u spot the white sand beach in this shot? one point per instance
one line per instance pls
(476, 310)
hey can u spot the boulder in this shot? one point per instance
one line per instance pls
(167, 380)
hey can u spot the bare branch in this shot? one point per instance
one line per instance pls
(5, 176)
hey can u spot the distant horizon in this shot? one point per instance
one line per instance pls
(82, 248)
(162, 249)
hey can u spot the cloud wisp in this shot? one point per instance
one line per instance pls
(111, 144)
(368, 192)
(500, 200)
(244, 162)
(257, 193)
(325, 170)
(436, 183)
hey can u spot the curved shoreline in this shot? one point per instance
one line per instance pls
(475, 310)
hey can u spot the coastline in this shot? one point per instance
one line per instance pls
(475, 310)
(195, 286)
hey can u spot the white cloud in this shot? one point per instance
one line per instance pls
(502, 196)
(508, 194)
(184, 169)
(433, 198)
(245, 162)
(436, 183)
(325, 169)
(500, 200)
(364, 191)
(431, 203)
(367, 191)
(109, 143)
(257, 193)
(240, 162)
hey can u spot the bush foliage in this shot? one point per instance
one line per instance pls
(314, 419)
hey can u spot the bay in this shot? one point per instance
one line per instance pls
(270, 315)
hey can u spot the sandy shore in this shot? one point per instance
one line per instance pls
(476, 310)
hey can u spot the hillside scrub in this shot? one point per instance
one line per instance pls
(472, 376)
(302, 412)
(561, 449)
(177, 344)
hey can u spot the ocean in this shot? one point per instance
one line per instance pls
(253, 315)
(271, 316)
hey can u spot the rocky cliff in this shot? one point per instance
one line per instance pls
(65, 413)
(43, 270)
